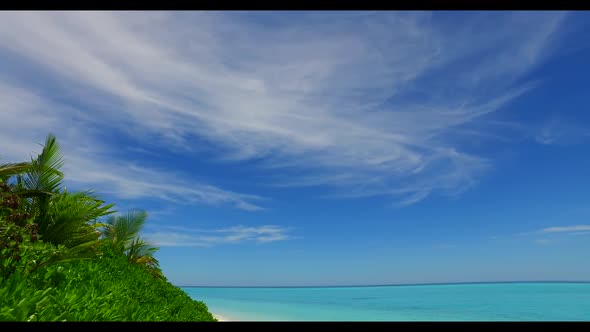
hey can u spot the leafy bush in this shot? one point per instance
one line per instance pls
(105, 289)
(20, 250)
(18, 302)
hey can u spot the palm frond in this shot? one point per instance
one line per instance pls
(63, 255)
(44, 173)
(121, 230)
(8, 170)
(70, 216)
(141, 252)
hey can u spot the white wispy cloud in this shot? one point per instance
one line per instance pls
(178, 236)
(559, 131)
(373, 102)
(556, 233)
(551, 235)
(566, 229)
(25, 119)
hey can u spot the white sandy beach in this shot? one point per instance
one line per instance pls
(221, 318)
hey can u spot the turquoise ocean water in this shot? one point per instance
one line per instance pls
(441, 302)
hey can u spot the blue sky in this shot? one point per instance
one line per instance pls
(319, 148)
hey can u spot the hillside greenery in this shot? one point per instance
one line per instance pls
(69, 256)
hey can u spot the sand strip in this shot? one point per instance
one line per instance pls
(221, 318)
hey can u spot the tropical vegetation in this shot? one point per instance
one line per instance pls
(69, 256)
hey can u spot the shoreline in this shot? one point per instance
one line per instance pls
(221, 318)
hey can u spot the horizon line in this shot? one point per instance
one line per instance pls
(408, 284)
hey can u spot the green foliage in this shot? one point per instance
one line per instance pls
(121, 233)
(20, 302)
(17, 251)
(21, 250)
(106, 289)
(69, 218)
(10, 169)
(43, 177)
(55, 267)
(141, 253)
(121, 230)
(44, 173)
(61, 218)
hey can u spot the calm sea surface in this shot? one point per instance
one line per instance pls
(449, 302)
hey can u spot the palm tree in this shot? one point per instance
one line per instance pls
(73, 218)
(121, 230)
(67, 220)
(121, 233)
(44, 179)
(141, 253)
(61, 217)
